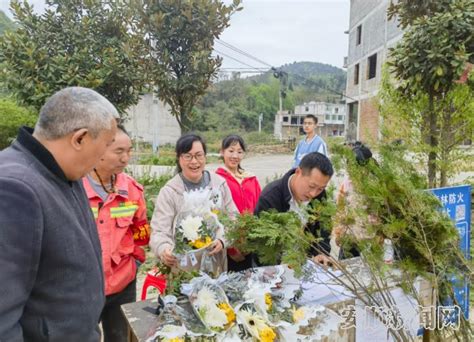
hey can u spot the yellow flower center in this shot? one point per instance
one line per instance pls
(267, 334)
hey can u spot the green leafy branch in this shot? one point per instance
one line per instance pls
(274, 237)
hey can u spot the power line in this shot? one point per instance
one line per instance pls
(242, 52)
(236, 49)
(235, 59)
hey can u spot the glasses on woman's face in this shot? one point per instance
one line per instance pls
(200, 156)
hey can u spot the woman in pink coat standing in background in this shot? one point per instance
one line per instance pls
(244, 188)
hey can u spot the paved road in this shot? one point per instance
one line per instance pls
(266, 167)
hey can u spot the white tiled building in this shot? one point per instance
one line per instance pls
(331, 119)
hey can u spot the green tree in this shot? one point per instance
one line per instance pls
(181, 35)
(408, 10)
(426, 64)
(87, 43)
(13, 117)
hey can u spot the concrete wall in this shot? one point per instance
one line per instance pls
(150, 121)
(378, 34)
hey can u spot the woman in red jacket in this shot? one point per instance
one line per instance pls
(244, 187)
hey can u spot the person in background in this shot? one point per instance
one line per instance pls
(311, 142)
(119, 208)
(191, 177)
(51, 266)
(245, 190)
(295, 190)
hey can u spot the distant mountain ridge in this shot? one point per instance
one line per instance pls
(238, 102)
(5, 23)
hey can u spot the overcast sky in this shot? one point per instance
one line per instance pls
(279, 32)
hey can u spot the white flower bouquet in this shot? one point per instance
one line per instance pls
(195, 232)
(255, 324)
(210, 304)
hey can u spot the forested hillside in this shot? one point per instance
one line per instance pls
(5, 23)
(237, 103)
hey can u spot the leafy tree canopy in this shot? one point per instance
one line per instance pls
(181, 36)
(85, 43)
(407, 11)
(434, 50)
(429, 65)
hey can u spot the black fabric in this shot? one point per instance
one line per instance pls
(276, 195)
(114, 324)
(26, 139)
(236, 266)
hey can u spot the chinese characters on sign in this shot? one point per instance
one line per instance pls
(456, 202)
(431, 317)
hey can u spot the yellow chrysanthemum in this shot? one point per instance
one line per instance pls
(201, 243)
(267, 334)
(298, 314)
(268, 301)
(229, 312)
(215, 211)
(176, 339)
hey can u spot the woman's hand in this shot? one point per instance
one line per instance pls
(215, 247)
(168, 258)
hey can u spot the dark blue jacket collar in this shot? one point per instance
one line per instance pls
(25, 138)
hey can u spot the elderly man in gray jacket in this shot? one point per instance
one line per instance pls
(51, 278)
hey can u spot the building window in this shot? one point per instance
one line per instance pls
(285, 119)
(336, 110)
(306, 109)
(328, 117)
(356, 74)
(339, 117)
(372, 66)
(301, 120)
(334, 117)
(294, 120)
(359, 35)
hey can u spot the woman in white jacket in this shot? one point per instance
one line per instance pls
(191, 181)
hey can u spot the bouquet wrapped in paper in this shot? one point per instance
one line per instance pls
(176, 323)
(197, 226)
(211, 305)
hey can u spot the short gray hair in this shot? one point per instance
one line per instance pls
(73, 108)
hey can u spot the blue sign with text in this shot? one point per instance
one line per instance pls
(456, 202)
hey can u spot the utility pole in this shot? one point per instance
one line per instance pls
(283, 77)
(260, 119)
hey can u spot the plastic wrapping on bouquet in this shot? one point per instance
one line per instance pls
(388, 251)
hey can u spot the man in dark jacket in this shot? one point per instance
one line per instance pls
(295, 190)
(52, 286)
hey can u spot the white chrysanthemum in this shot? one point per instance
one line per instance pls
(252, 322)
(215, 317)
(190, 226)
(206, 298)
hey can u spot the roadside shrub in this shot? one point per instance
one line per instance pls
(13, 117)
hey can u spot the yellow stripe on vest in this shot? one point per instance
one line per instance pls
(95, 212)
(123, 211)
